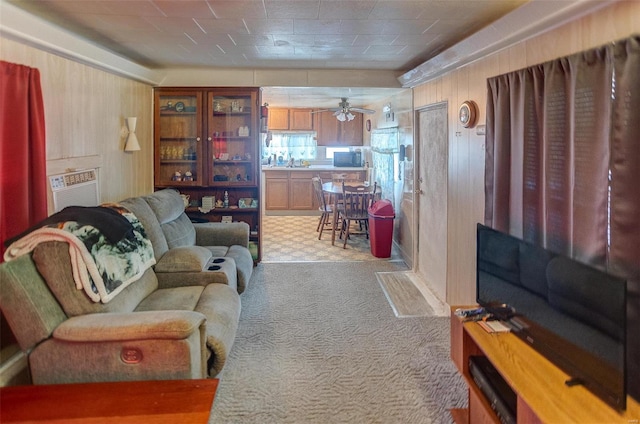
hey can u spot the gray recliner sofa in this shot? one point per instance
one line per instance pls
(177, 321)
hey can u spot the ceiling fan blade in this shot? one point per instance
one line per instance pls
(320, 110)
(357, 109)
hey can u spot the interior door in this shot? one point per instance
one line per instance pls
(431, 196)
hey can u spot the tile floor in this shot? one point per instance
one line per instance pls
(294, 239)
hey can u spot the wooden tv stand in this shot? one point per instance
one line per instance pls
(539, 385)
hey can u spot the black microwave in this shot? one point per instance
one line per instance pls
(347, 159)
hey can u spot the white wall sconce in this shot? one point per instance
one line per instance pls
(132, 144)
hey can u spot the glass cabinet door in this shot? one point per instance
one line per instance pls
(178, 139)
(232, 133)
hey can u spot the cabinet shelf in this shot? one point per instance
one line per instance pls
(234, 184)
(231, 162)
(181, 139)
(175, 113)
(243, 113)
(232, 138)
(178, 161)
(223, 210)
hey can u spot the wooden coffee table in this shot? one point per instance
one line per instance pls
(166, 402)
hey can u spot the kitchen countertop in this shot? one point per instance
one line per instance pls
(315, 168)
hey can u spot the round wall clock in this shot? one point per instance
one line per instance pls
(468, 113)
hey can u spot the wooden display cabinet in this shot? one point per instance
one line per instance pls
(207, 143)
(178, 139)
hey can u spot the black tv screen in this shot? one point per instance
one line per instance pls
(573, 314)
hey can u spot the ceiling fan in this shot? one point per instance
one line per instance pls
(343, 111)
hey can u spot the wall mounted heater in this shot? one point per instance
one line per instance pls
(77, 188)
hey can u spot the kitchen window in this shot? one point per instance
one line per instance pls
(298, 145)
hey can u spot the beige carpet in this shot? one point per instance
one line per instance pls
(318, 343)
(294, 239)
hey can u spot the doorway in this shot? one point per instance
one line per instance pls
(431, 193)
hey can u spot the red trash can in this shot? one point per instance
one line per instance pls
(381, 215)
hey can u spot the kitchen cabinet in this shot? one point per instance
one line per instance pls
(301, 119)
(332, 132)
(277, 190)
(301, 191)
(278, 119)
(206, 144)
(289, 190)
(293, 190)
(298, 119)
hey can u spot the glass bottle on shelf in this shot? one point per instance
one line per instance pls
(178, 138)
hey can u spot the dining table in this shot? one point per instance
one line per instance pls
(334, 190)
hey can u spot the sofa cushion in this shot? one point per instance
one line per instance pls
(54, 264)
(184, 259)
(168, 207)
(177, 298)
(141, 209)
(244, 264)
(221, 305)
(179, 232)
(28, 305)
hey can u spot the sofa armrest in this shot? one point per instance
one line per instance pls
(145, 325)
(222, 234)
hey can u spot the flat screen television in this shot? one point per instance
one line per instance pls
(573, 314)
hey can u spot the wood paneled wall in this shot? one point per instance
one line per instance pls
(85, 110)
(466, 148)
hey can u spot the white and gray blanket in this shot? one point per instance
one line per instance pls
(101, 266)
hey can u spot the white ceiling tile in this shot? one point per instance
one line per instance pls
(361, 26)
(270, 26)
(398, 9)
(294, 9)
(181, 9)
(404, 26)
(308, 26)
(238, 9)
(350, 9)
(334, 40)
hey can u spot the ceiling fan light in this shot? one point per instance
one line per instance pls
(341, 117)
(350, 116)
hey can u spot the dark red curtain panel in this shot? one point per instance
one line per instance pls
(23, 195)
(547, 156)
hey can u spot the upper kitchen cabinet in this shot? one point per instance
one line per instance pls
(290, 119)
(179, 155)
(278, 119)
(301, 119)
(332, 132)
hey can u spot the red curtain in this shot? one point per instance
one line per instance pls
(23, 195)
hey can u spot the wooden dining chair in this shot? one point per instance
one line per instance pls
(356, 202)
(326, 210)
